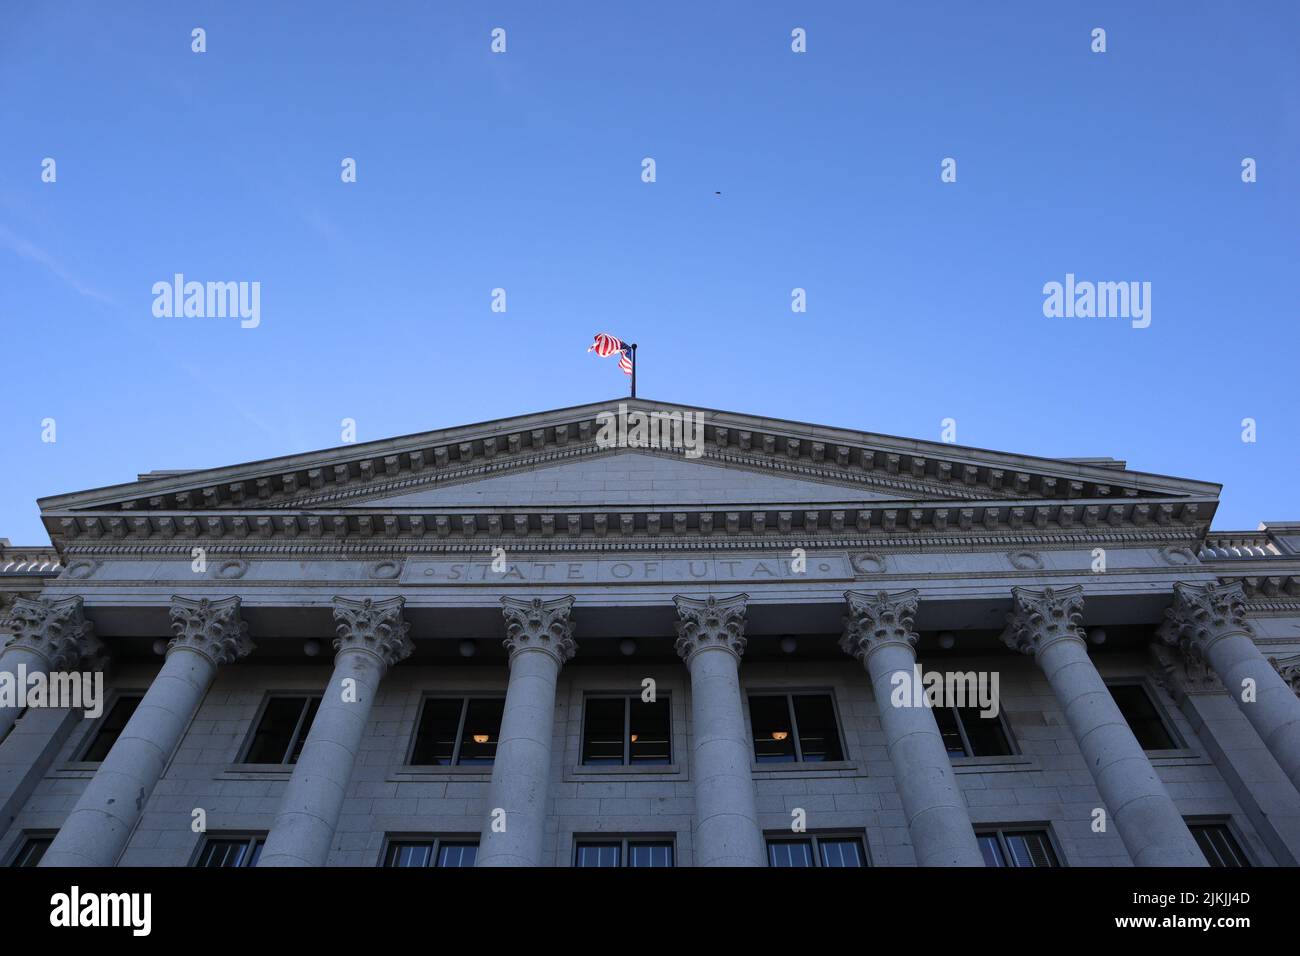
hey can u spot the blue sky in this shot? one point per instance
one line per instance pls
(522, 171)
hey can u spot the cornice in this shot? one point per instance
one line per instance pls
(924, 522)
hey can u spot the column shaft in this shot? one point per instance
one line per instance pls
(727, 832)
(11, 661)
(520, 788)
(97, 829)
(937, 818)
(1275, 710)
(309, 812)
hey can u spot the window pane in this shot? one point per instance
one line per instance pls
(789, 853)
(257, 851)
(602, 730)
(1030, 849)
(111, 727)
(986, 736)
(650, 854)
(409, 854)
(1142, 717)
(274, 734)
(773, 735)
(219, 854)
(991, 849)
(946, 718)
(819, 736)
(435, 737)
(651, 731)
(478, 744)
(842, 851)
(304, 729)
(457, 854)
(32, 851)
(598, 854)
(1219, 846)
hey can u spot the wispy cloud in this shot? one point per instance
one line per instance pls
(28, 250)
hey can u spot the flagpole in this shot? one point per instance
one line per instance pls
(634, 370)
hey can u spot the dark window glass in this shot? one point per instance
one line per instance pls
(221, 853)
(649, 854)
(599, 854)
(609, 853)
(282, 730)
(794, 727)
(946, 718)
(1142, 717)
(773, 731)
(841, 851)
(478, 742)
(967, 734)
(604, 724)
(32, 851)
(789, 853)
(819, 736)
(1218, 845)
(457, 854)
(986, 735)
(458, 731)
(111, 727)
(421, 853)
(408, 854)
(435, 735)
(1018, 848)
(651, 732)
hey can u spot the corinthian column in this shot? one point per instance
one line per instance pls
(711, 640)
(539, 636)
(1209, 623)
(1046, 624)
(372, 638)
(878, 631)
(48, 636)
(208, 634)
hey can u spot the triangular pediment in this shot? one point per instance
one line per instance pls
(628, 478)
(557, 459)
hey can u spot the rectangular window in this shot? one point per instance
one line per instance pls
(626, 731)
(1218, 844)
(111, 727)
(968, 734)
(616, 851)
(219, 852)
(282, 730)
(1016, 848)
(458, 731)
(1142, 716)
(33, 849)
(434, 851)
(790, 728)
(816, 850)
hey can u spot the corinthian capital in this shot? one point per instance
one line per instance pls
(376, 627)
(211, 628)
(1044, 617)
(877, 618)
(57, 631)
(540, 625)
(712, 622)
(1201, 614)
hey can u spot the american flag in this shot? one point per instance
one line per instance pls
(606, 345)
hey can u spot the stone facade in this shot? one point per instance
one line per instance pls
(520, 559)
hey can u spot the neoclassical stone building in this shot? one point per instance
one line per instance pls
(513, 644)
